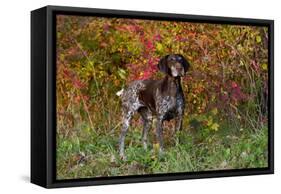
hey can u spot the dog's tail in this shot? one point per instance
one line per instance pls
(120, 92)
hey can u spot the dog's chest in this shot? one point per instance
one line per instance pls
(170, 106)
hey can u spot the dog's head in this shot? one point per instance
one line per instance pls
(174, 65)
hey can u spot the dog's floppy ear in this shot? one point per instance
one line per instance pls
(163, 65)
(185, 63)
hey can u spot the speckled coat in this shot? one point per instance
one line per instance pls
(162, 99)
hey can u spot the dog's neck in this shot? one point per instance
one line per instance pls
(175, 80)
(172, 85)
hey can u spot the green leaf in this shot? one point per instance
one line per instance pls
(159, 47)
(258, 39)
(209, 121)
(215, 126)
(122, 73)
(215, 111)
(264, 66)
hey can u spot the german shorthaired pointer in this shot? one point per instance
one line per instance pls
(163, 99)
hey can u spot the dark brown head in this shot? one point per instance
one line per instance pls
(174, 65)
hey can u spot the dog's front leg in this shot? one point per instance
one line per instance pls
(146, 126)
(180, 113)
(178, 124)
(159, 134)
(126, 123)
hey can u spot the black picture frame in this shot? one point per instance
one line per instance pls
(43, 96)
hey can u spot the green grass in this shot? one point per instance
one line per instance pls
(86, 153)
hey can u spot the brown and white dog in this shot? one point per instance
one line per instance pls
(162, 98)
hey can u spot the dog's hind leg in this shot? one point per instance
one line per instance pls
(147, 120)
(127, 116)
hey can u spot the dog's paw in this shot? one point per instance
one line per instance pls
(123, 157)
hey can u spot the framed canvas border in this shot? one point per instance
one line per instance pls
(43, 96)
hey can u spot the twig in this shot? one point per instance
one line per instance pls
(89, 60)
(86, 109)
